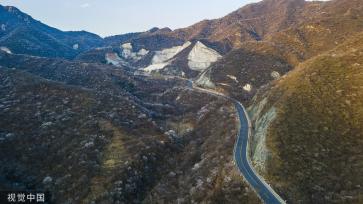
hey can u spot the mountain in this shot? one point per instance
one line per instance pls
(244, 70)
(21, 34)
(110, 136)
(254, 24)
(119, 122)
(152, 39)
(311, 121)
(251, 23)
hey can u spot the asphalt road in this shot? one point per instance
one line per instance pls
(264, 191)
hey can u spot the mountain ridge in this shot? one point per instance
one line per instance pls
(114, 132)
(25, 35)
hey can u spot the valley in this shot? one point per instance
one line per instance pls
(263, 105)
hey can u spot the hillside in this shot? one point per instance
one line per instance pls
(256, 44)
(252, 23)
(249, 23)
(23, 35)
(312, 124)
(327, 25)
(115, 120)
(58, 137)
(110, 136)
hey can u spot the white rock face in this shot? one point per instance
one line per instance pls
(154, 67)
(5, 49)
(126, 46)
(275, 75)
(75, 46)
(205, 81)
(262, 123)
(198, 165)
(164, 57)
(178, 98)
(143, 52)
(167, 54)
(47, 180)
(247, 87)
(201, 57)
(114, 59)
(128, 54)
(233, 78)
(261, 152)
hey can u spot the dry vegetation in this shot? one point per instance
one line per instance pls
(90, 132)
(203, 171)
(104, 145)
(316, 139)
(53, 137)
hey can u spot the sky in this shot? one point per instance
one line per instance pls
(112, 17)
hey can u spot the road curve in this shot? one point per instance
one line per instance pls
(265, 192)
(241, 156)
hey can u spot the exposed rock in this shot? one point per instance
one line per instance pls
(172, 174)
(275, 75)
(205, 81)
(260, 151)
(46, 124)
(201, 57)
(129, 54)
(142, 116)
(47, 180)
(75, 46)
(234, 78)
(247, 87)
(164, 57)
(5, 49)
(88, 145)
(114, 59)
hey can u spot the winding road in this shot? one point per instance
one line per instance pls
(265, 192)
(241, 157)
